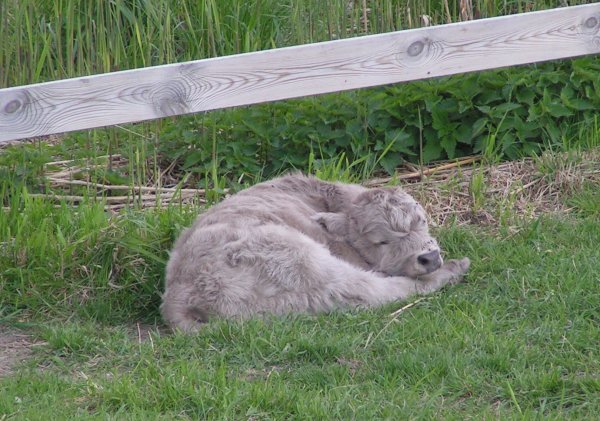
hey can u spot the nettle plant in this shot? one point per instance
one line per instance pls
(507, 113)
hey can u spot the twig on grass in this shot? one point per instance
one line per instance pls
(406, 307)
(394, 316)
(518, 190)
(428, 171)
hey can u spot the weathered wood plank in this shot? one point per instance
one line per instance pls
(149, 93)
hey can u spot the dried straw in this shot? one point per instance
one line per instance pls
(525, 188)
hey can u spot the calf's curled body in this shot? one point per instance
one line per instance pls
(299, 244)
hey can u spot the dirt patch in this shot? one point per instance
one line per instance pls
(15, 347)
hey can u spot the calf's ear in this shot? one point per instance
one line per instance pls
(370, 196)
(334, 223)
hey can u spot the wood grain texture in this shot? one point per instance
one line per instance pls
(155, 92)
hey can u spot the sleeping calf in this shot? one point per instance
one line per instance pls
(299, 244)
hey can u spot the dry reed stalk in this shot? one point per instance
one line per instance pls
(420, 174)
(466, 10)
(122, 187)
(364, 17)
(152, 204)
(71, 161)
(107, 199)
(447, 9)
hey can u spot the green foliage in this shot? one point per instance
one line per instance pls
(587, 201)
(503, 113)
(45, 40)
(57, 258)
(518, 340)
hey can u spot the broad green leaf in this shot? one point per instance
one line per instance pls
(478, 126)
(558, 110)
(193, 159)
(506, 107)
(525, 95)
(390, 162)
(449, 145)
(580, 104)
(432, 149)
(464, 134)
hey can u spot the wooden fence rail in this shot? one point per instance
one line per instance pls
(174, 89)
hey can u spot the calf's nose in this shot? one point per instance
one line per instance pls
(430, 260)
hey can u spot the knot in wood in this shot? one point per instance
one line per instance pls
(415, 48)
(21, 110)
(171, 98)
(591, 25)
(13, 106)
(420, 53)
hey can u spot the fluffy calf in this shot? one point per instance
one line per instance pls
(299, 244)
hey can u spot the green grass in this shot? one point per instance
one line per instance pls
(517, 341)
(65, 259)
(46, 40)
(586, 202)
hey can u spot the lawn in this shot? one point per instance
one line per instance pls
(518, 340)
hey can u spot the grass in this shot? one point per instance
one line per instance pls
(47, 40)
(65, 258)
(586, 201)
(517, 341)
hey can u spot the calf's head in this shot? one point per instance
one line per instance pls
(389, 230)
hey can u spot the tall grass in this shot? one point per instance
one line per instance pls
(59, 258)
(44, 40)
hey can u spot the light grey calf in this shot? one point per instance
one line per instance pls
(299, 244)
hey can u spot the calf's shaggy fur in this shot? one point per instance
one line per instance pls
(299, 244)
